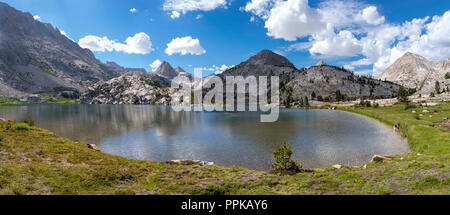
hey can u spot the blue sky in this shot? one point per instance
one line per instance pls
(227, 32)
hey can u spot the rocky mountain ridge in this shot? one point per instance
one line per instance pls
(127, 89)
(315, 82)
(320, 82)
(416, 72)
(35, 57)
(136, 87)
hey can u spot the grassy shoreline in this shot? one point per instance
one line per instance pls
(17, 101)
(36, 161)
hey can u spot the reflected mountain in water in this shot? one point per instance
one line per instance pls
(92, 123)
(318, 138)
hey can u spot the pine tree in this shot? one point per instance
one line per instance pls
(306, 101)
(338, 95)
(402, 95)
(438, 88)
(282, 159)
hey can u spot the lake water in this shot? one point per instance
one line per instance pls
(319, 138)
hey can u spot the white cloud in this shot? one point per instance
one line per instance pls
(184, 6)
(133, 10)
(36, 17)
(351, 28)
(215, 69)
(430, 39)
(138, 44)
(199, 16)
(371, 16)
(65, 34)
(185, 45)
(260, 8)
(342, 44)
(293, 19)
(175, 15)
(155, 64)
(222, 68)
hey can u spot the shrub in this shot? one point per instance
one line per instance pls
(364, 103)
(28, 121)
(21, 127)
(410, 106)
(417, 116)
(283, 161)
(447, 75)
(1, 138)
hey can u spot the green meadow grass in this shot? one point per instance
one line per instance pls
(36, 161)
(16, 101)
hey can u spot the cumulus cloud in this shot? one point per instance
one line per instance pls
(155, 64)
(138, 44)
(184, 6)
(293, 19)
(133, 10)
(36, 17)
(430, 39)
(260, 8)
(184, 46)
(351, 28)
(214, 69)
(371, 16)
(175, 15)
(342, 44)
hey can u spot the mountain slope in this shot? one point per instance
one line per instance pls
(295, 84)
(329, 81)
(35, 57)
(415, 71)
(135, 87)
(322, 79)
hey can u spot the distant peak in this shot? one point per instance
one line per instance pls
(179, 69)
(411, 56)
(321, 63)
(267, 57)
(165, 63)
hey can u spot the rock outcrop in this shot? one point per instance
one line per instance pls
(316, 82)
(136, 87)
(330, 82)
(127, 89)
(416, 72)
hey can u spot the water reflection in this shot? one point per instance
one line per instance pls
(318, 137)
